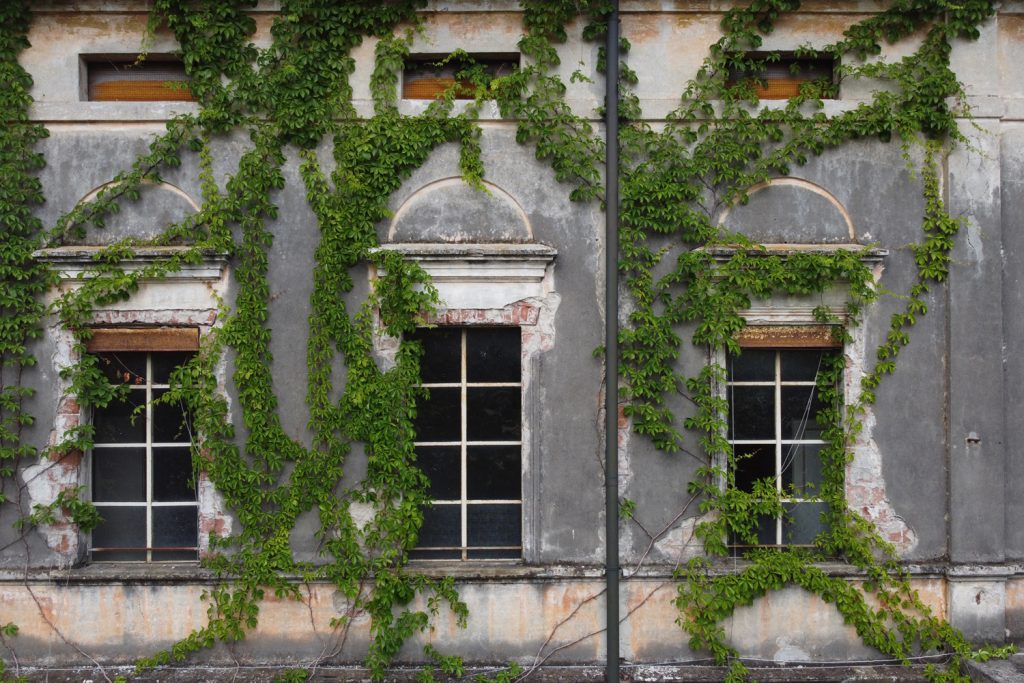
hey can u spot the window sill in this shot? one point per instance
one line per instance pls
(170, 573)
(116, 573)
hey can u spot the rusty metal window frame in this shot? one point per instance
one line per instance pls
(779, 340)
(107, 342)
(466, 551)
(134, 78)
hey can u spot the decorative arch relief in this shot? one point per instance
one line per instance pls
(790, 210)
(159, 205)
(451, 211)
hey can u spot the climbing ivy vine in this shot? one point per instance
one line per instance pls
(293, 97)
(22, 279)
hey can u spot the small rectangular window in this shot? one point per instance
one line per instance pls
(779, 78)
(469, 443)
(773, 403)
(427, 77)
(126, 78)
(141, 470)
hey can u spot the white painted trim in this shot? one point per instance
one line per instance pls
(79, 262)
(487, 276)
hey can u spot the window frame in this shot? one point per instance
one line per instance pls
(781, 61)
(864, 481)
(466, 551)
(494, 284)
(147, 340)
(195, 290)
(97, 66)
(778, 340)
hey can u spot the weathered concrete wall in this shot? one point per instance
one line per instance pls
(936, 467)
(512, 614)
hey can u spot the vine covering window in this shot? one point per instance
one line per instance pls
(773, 400)
(469, 443)
(141, 463)
(427, 77)
(776, 77)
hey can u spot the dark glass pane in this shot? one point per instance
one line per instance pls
(172, 474)
(766, 528)
(753, 413)
(800, 405)
(169, 423)
(494, 472)
(119, 475)
(175, 526)
(801, 469)
(175, 555)
(124, 367)
(802, 366)
(441, 527)
(753, 462)
(494, 524)
(165, 362)
(122, 527)
(752, 365)
(493, 355)
(492, 554)
(493, 414)
(430, 554)
(119, 423)
(119, 556)
(442, 465)
(802, 522)
(442, 352)
(438, 417)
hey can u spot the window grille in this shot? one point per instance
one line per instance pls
(126, 79)
(469, 443)
(142, 479)
(773, 403)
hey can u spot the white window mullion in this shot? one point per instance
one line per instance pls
(778, 440)
(463, 438)
(149, 457)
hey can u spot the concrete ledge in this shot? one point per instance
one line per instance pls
(996, 671)
(682, 673)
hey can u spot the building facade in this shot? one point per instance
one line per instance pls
(511, 433)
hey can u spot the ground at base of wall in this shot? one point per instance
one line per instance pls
(550, 674)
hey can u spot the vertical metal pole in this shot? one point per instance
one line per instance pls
(611, 345)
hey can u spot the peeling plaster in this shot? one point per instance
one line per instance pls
(865, 481)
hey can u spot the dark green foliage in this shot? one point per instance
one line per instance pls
(22, 278)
